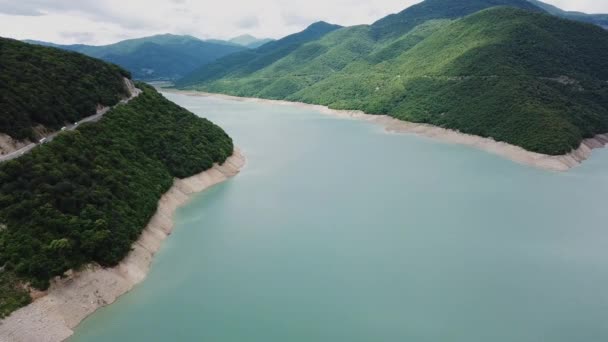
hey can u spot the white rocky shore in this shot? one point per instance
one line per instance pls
(515, 153)
(53, 316)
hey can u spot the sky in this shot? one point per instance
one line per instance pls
(107, 21)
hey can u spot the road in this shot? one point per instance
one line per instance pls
(93, 118)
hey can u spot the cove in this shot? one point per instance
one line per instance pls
(338, 231)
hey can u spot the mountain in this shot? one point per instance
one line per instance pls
(517, 75)
(250, 41)
(249, 61)
(597, 19)
(397, 24)
(37, 91)
(160, 57)
(335, 50)
(86, 196)
(529, 79)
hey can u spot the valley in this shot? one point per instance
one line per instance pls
(389, 172)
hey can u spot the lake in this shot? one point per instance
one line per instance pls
(337, 231)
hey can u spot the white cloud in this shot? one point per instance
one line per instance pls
(114, 19)
(587, 6)
(248, 22)
(106, 21)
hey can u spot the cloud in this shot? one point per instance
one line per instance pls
(79, 37)
(248, 22)
(40, 7)
(95, 10)
(106, 21)
(295, 19)
(18, 10)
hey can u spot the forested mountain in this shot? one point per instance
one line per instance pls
(517, 75)
(597, 19)
(249, 61)
(86, 195)
(250, 41)
(334, 51)
(161, 57)
(395, 25)
(50, 87)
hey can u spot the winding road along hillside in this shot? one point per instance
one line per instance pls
(93, 118)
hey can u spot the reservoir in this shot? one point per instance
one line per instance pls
(338, 231)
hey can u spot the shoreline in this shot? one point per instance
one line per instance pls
(560, 163)
(53, 316)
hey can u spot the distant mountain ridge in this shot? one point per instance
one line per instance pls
(252, 60)
(597, 19)
(160, 57)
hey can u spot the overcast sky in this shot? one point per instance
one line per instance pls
(108, 21)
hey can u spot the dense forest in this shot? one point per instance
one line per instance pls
(397, 24)
(49, 87)
(517, 75)
(87, 195)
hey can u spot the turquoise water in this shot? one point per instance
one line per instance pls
(336, 231)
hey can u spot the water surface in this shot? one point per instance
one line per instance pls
(336, 231)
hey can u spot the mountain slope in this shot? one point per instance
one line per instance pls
(85, 196)
(397, 24)
(335, 50)
(519, 76)
(252, 60)
(318, 60)
(597, 19)
(157, 57)
(532, 80)
(43, 86)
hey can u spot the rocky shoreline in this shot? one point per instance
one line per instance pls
(53, 316)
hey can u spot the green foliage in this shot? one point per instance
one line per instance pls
(397, 24)
(86, 196)
(523, 77)
(12, 294)
(494, 74)
(250, 61)
(50, 87)
(161, 57)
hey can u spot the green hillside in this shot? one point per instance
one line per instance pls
(597, 19)
(249, 61)
(529, 79)
(318, 60)
(519, 76)
(161, 57)
(333, 51)
(396, 24)
(87, 195)
(49, 87)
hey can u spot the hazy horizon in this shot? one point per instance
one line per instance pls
(108, 21)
